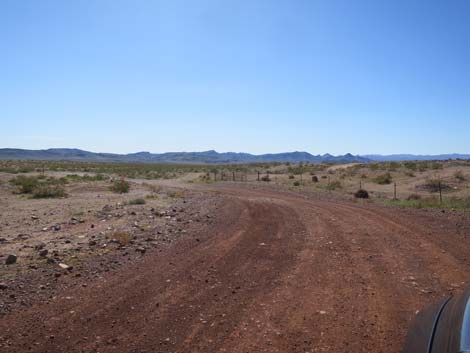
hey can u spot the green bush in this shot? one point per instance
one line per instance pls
(120, 187)
(25, 184)
(138, 201)
(334, 185)
(383, 179)
(45, 191)
(296, 183)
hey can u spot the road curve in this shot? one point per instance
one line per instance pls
(277, 272)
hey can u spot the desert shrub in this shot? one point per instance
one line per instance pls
(46, 191)
(25, 184)
(123, 238)
(361, 194)
(291, 176)
(383, 179)
(414, 197)
(175, 193)
(334, 185)
(436, 165)
(154, 188)
(138, 201)
(120, 186)
(296, 183)
(314, 179)
(434, 202)
(459, 175)
(265, 178)
(204, 178)
(433, 185)
(324, 177)
(410, 165)
(393, 166)
(410, 174)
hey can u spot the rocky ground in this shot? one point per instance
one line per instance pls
(47, 245)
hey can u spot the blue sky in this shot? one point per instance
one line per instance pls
(337, 76)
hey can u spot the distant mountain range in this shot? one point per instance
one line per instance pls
(206, 157)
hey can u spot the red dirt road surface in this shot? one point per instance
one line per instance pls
(275, 272)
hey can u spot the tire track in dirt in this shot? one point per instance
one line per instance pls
(277, 273)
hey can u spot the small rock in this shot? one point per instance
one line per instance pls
(3, 286)
(56, 227)
(141, 250)
(11, 259)
(65, 267)
(43, 252)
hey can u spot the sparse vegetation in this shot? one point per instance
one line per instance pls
(138, 201)
(459, 175)
(120, 186)
(39, 186)
(334, 185)
(44, 191)
(433, 185)
(433, 202)
(123, 238)
(265, 178)
(25, 184)
(361, 194)
(296, 183)
(383, 179)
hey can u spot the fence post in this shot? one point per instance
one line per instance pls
(440, 192)
(258, 175)
(394, 190)
(233, 176)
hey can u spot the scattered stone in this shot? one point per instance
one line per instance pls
(65, 267)
(43, 252)
(34, 217)
(39, 246)
(92, 242)
(141, 250)
(3, 286)
(56, 227)
(11, 259)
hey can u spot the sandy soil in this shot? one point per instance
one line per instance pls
(272, 272)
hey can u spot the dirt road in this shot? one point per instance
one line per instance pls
(275, 272)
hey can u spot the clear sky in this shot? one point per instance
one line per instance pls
(337, 76)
